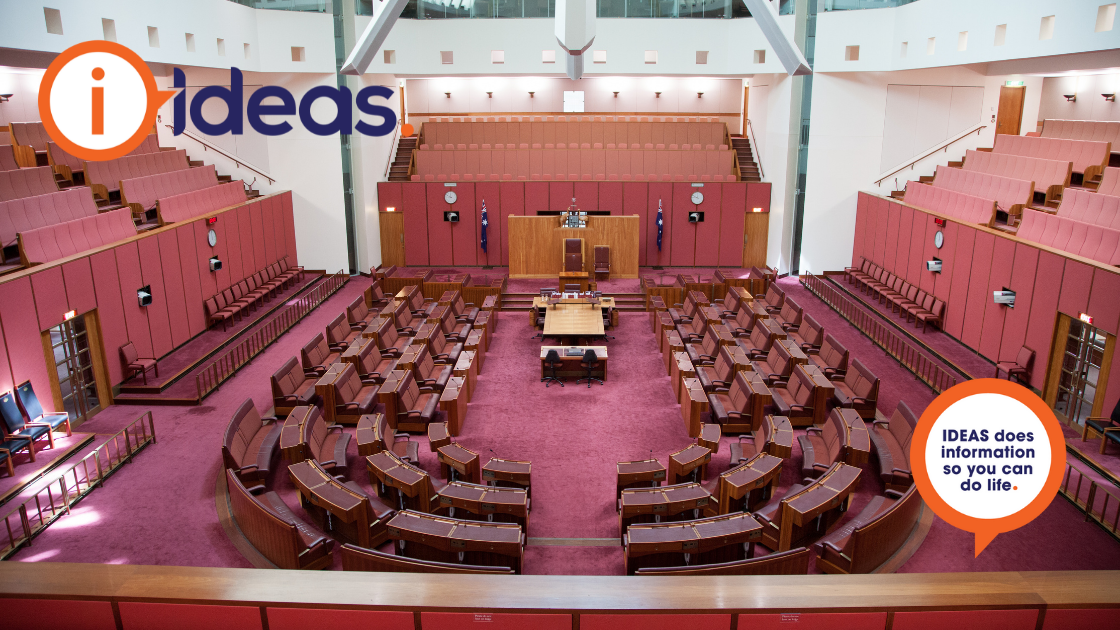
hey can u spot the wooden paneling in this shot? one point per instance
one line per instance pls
(535, 245)
(755, 230)
(392, 238)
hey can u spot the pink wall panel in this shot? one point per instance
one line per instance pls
(1015, 322)
(79, 286)
(440, 238)
(21, 336)
(389, 196)
(862, 233)
(159, 323)
(304, 618)
(290, 229)
(494, 621)
(1104, 302)
(927, 252)
(28, 614)
(110, 309)
(136, 318)
(881, 206)
(635, 200)
(958, 293)
(149, 616)
(281, 232)
(1080, 619)
(758, 195)
(1044, 308)
(536, 197)
(1112, 392)
(269, 215)
(904, 245)
(229, 237)
(1076, 284)
(488, 192)
(173, 288)
(920, 239)
(513, 201)
(208, 282)
(1003, 261)
(256, 217)
(815, 621)
(659, 192)
(966, 620)
(731, 222)
(248, 244)
(655, 622)
(464, 234)
(587, 195)
(50, 298)
(191, 268)
(978, 295)
(943, 282)
(707, 232)
(683, 252)
(890, 250)
(610, 197)
(414, 204)
(560, 193)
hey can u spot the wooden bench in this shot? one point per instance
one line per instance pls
(275, 531)
(356, 558)
(873, 536)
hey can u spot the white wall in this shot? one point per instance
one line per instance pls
(769, 112)
(371, 155)
(23, 85)
(1089, 105)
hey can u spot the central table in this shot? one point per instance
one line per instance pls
(573, 318)
(570, 366)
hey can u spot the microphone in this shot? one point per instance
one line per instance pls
(651, 453)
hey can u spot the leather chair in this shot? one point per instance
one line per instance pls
(429, 376)
(316, 356)
(688, 309)
(891, 440)
(372, 365)
(405, 322)
(134, 365)
(831, 359)
(388, 341)
(453, 330)
(443, 351)
(859, 390)
(375, 297)
(340, 335)
(590, 362)
(758, 344)
(732, 406)
(538, 322)
(692, 331)
(759, 441)
(743, 324)
(250, 445)
(358, 314)
(794, 398)
(602, 262)
(353, 398)
(821, 447)
(414, 405)
(774, 298)
(551, 362)
(706, 351)
(405, 449)
(325, 444)
(29, 402)
(464, 312)
(777, 366)
(573, 254)
(1106, 427)
(718, 376)
(808, 335)
(1020, 368)
(933, 316)
(291, 387)
(790, 315)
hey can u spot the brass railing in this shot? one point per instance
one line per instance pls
(229, 362)
(1101, 502)
(57, 496)
(908, 355)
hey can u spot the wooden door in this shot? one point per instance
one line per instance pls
(392, 238)
(1009, 116)
(755, 230)
(743, 122)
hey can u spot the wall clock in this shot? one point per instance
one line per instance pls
(212, 238)
(450, 196)
(697, 197)
(938, 239)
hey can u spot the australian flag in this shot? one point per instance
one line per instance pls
(486, 222)
(660, 224)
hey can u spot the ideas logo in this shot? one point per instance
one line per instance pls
(98, 101)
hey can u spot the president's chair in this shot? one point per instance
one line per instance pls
(573, 254)
(602, 262)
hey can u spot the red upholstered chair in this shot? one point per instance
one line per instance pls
(891, 440)
(358, 314)
(250, 444)
(292, 387)
(808, 335)
(758, 344)
(933, 316)
(831, 359)
(443, 351)
(389, 342)
(821, 447)
(325, 444)
(340, 335)
(859, 390)
(415, 405)
(429, 376)
(1020, 368)
(718, 376)
(353, 397)
(372, 365)
(316, 356)
(790, 315)
(706, 351)
(602, 262)
(134, 365)
(776, 369)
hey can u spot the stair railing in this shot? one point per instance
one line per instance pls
(944, 146)
(393, 149)
(207, 146)
(754, 150)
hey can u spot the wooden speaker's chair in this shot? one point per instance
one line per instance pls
(602, 262)
(573, 254)
(134, 365)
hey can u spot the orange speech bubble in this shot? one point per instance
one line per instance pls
(976, 407)
(154, 96)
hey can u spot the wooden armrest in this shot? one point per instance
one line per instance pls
(838, 550)
(37, 424)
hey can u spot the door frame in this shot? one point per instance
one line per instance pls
(1005, 90)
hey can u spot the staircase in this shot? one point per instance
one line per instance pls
(748, 168)
(224, 179)
(398, 172)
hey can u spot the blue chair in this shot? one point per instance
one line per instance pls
(1108, 427)
(29, 402)
(6, 454)
(16, 428)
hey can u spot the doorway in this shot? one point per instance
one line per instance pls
(76, 356)
(1009, 114)
(1079, 370)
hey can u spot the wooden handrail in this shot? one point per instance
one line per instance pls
(206, 146)
(393, 148)
(944, 146)
(754, 150)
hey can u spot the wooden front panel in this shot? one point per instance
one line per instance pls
(535, 244)
(392, 238)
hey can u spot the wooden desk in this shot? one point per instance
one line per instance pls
(640, 474)
(453, 402)
(408, 359)
(573, 277)
(689, 464)
(665, 324)
(337, 507)
(711, 315)
(781, 436)
(399, 483)
(350, 356)
(761, 398)
(670, 345)
(664, 503)
(387, 395)
(777, 333)
(822, 394)
(571, 365)
(857, 441)
(739, 356)
(694, 404)
(681, 369)
(749, 485)
(368, 434)
(292, 447)
(796, 356)
(508, 473)
(428, 537)
(324, 387)
(438, 435)
(798, 511)
(467, 369)
(476, 343)
(711, 540)
(458, 464)
(710, 435)
(724, 335)
(491, 503)
(573, 320)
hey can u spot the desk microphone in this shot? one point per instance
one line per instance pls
(651, 453)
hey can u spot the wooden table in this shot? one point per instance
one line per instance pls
(663, 503)
(670, 344)
(387, 395)
(857, 442)
(821, 395)
(711, 540)
(573, 277)
(321, 495)
(724, 335)
(694, 404)
(508, 473)
(476, 343)
(681, 369)
(467, 369)
(710, 435)
(777, 333)
(796, 356)
(438, 435)
(749, 485)
(292, 447)
(570, 366)
(574, 318)
(810, 511)
(640, 474)
(463, 462)
(687, 463)
(453, 402)
(457, 541)
(494, 504)
(412, 487)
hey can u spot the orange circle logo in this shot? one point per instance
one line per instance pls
(988, 456)
(98, 100)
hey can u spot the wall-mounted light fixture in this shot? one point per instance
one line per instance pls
(215, 263)
(1005, 297)
(144, 295)
(448, 94)
(616, 94)
(1070, 97)
(1109, 97)
(4, 98)
(531, 94)
(699, 95)
(489, 95)
(657, 94)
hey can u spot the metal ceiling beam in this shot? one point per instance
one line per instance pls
(788, 53)
(373, 37)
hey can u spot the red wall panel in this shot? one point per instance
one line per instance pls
(1003, 261)
(151, 268)
(560, 193)
(488, 192)
(707, 232)
(513, 202)
(32, 614)
(305, 618)
(256, 216)
(414, 204)
(587, 195)
(269, 214)
(191, 268)
(21, 336)
(610, 197)
(136, 318)
(1015, 322)
(1076, 284)
(1080, 619)
(440, 238)
(758, 195)
(966, 620)
(920, 239)
(110, 310)
(79, 286)
(464, 235)
(1112, 393)
(880, 206)
(683, 252)
(536, 197)
(1104, 302)
(947, 254)
(958, 293)
(229, 247)
(1044, 308)
(862, 233)
(150, 616)
(389, 196)
(281, 232)
(494, 621)
(815, 621)
(978, 295)
(904, 243)
(928, 251)
(659, 192)
(290, 229)
(208, 282)
(50, 297)
(245, 237)
(731, 224)
(654, 622)
(890, 246)
(635, 200)
(173, 288)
